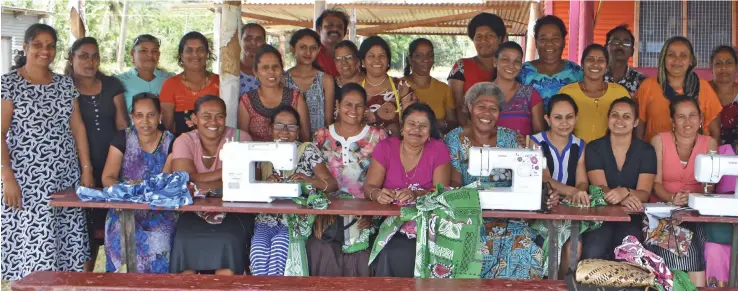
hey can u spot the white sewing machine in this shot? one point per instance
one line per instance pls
(527, 176)
(709, 168)
(239, 170)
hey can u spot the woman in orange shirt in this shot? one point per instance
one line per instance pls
(676, 77)
(178, 93)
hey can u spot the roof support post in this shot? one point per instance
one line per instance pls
(229, 57)
(530, 40)
(352, 25)
(586, 26)
(318, 9)
(573, 52)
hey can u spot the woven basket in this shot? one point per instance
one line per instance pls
(613, 274)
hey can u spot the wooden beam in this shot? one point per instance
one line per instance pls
(488, 6)
(422, 22)
(684, 18)
(735, 24)
(305, 24)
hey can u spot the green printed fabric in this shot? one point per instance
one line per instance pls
(563, 228)
(358, 239)
(300, 227)
(448, 236)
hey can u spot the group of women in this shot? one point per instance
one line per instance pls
(363, 134)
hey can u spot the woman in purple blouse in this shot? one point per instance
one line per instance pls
(402, 169)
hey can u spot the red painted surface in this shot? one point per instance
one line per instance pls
(694, 216)
(343, 207)
(57, 281)
(572, 49)
(53, 281)
(586, 26)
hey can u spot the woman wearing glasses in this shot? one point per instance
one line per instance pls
(259, 105)
(270, 243)
(347, 64)
(144, 77)
(487, 31)
(103, 112)
(429, 90)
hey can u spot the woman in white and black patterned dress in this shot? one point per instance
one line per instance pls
(41, 125)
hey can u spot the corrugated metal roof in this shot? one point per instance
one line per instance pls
(281, 15)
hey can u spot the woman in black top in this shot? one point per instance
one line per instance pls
(103, 109)
(624, 167)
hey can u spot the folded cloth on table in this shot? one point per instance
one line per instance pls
(162, 190)
(633, 252)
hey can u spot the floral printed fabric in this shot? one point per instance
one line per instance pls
(348, 159)
(633, 252)
(631, 81)
(458, 145)
(547, 85)
(300, 227)
(447, 231)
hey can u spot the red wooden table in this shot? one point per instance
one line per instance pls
(343, 207)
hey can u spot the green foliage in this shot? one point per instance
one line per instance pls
(104, 20)
(448, 49)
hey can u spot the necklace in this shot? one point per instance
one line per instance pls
(156, 140)
(373, 85)
(92, 99)
(415, 169)
(28, 76)
(691, 149)
(193, 91)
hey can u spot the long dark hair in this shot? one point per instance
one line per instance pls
(411, 50)
(300, 34)
(691, 80)
(626, 100)
(435, 133)
(189, 36)
(350, 88)
(369, 43)
(146, 96)
(679, 99)
(30, 34)
(68, 69)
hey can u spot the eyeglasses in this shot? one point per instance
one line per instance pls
(624, 43)
(346, 58)
(288, 127)
(146, 38)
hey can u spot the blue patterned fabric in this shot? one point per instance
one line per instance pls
(162, 190)
(547, 85)
(248, 83)
(507, 248)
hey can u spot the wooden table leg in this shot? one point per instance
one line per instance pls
(128, 240)
(734, 259)
(553, 250)
(573, 245)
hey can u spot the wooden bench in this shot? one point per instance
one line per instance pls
(53, 281)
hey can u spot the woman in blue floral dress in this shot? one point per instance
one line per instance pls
(138, 153)
(508, 246)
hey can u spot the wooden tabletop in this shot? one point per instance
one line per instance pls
(119, 281)
(343, 207)
(694, 216)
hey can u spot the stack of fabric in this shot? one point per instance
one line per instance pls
(162, 190)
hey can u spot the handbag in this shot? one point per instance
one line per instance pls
(335, 231)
